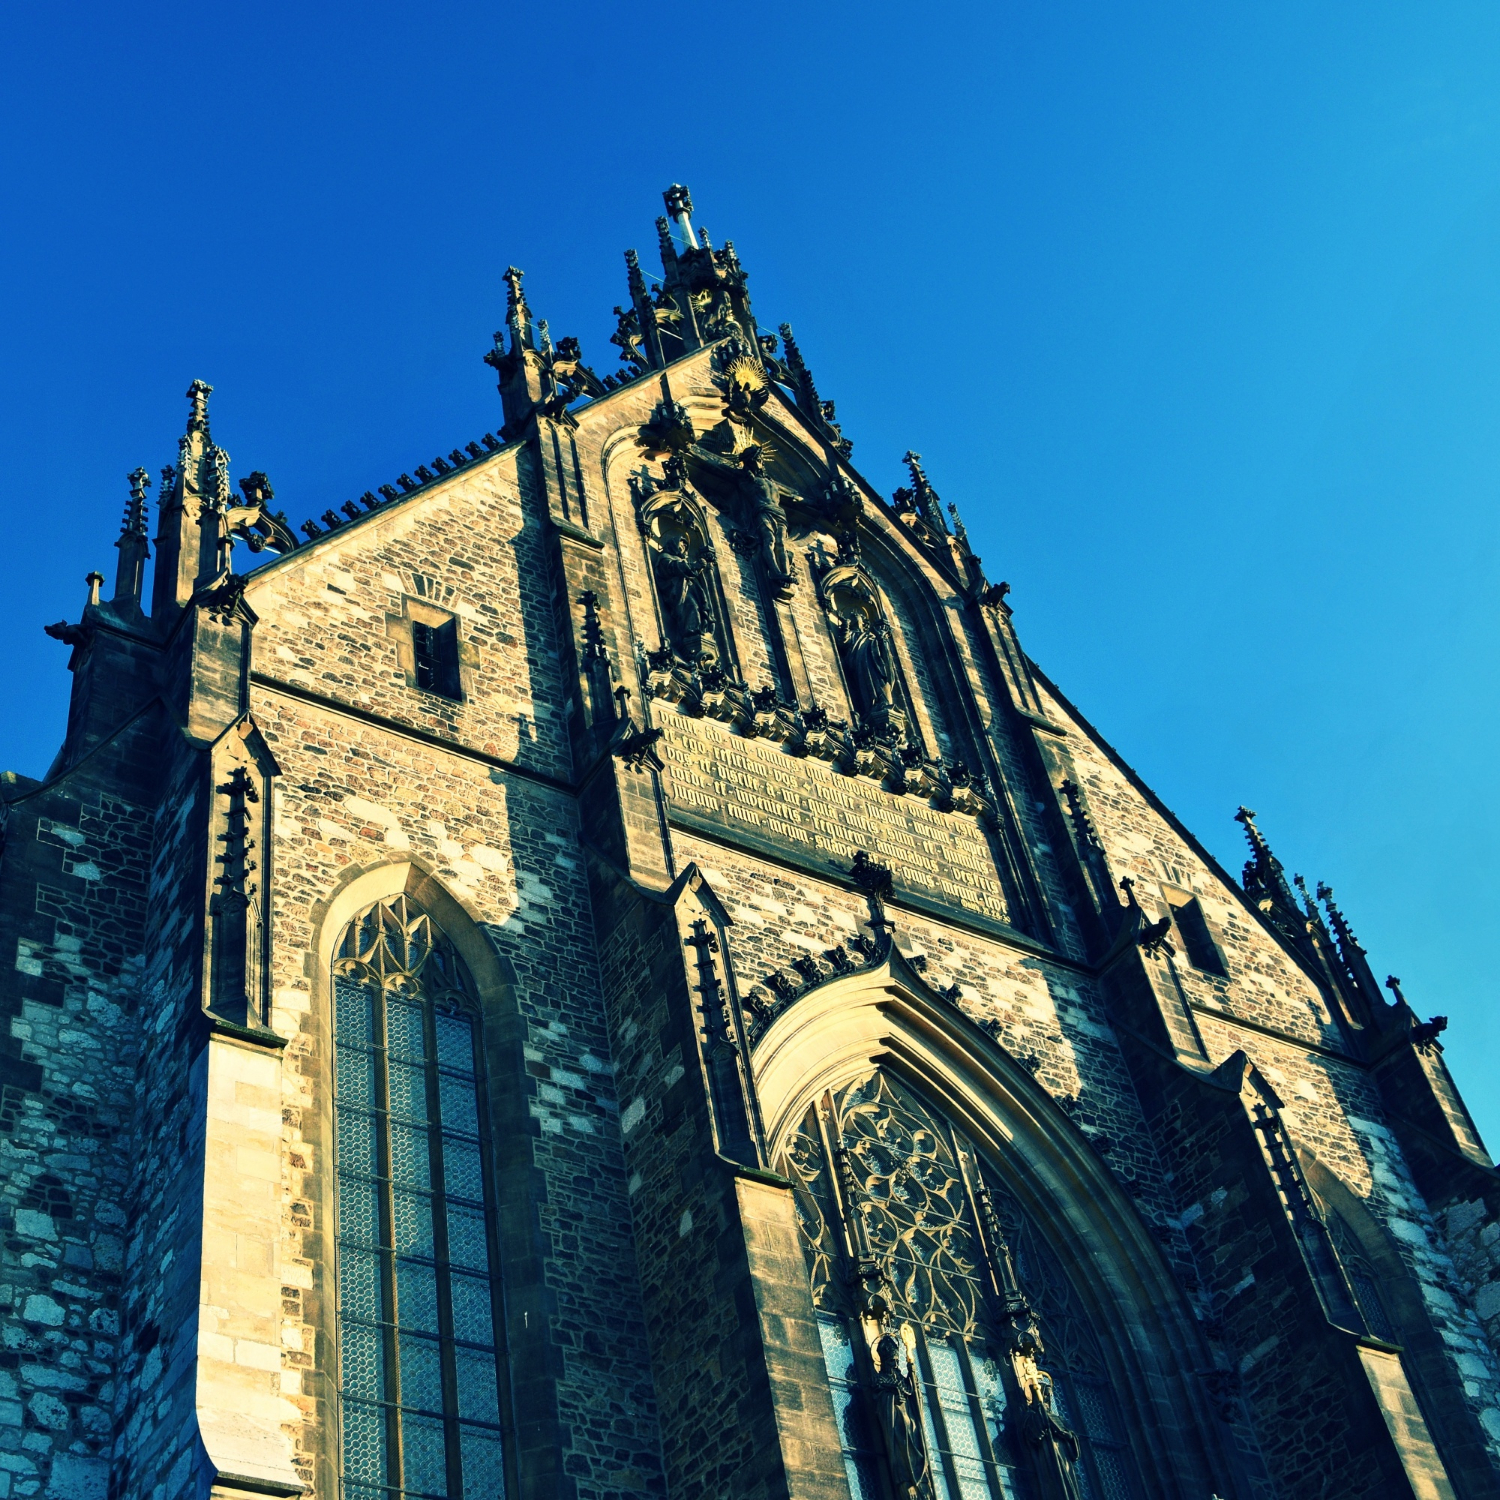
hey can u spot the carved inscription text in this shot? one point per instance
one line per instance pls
(729, 785)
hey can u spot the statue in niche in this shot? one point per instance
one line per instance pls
(870, 662)
(1056, 1445)
(682, 586)
(762, 500)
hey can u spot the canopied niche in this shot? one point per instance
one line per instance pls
(878, 692)
(689, 600)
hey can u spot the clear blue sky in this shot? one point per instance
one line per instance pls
(1193, 310)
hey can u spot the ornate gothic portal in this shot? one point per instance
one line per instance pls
(959, 1364)
(433, 968)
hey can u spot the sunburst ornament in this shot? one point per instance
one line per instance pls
(744, 438)
(747, 374)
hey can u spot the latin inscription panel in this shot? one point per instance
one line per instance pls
(726, 784)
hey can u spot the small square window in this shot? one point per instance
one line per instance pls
(1192, 927)
(435, 649)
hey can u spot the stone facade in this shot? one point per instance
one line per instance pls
(730, 785)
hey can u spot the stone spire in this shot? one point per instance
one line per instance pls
(519, 366)
(517, 313)
(193, 493)
(636, 334)
(1302, 926)
(134, 549)
(1265, 882)
(921, 500)
(801, 377)
(703, 295)
(1352, 953)
(680, 206)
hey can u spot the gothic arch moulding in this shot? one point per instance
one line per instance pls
(885, 1020)
(524, 1340)
(1392, 1301)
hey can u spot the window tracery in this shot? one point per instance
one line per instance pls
(418, 1368)
(936, 1300)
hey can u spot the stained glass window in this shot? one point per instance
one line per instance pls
(887, 1191)
(418, 1371)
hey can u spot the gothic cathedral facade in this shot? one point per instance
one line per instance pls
(601, 969)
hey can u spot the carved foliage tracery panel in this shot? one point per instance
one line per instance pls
(909, 1194)
(880, 1179)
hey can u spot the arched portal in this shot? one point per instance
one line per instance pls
(996, 1317)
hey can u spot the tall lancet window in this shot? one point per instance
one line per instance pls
(959, 1365)
(418, 1303)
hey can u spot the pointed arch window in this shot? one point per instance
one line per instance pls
(418, 1318)
(1363, 1281)
(957, 1356)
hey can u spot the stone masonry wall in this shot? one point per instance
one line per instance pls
(476, 547)
(72, 902)
(352, 795)
(1331, 1104)
(1047, 1016)
(156, 1453)
(1265, 986)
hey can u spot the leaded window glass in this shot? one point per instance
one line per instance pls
(418, 1370)
(1363, 1281)
(899, 1215)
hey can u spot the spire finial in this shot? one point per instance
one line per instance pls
(1245, 816)
(198, 393)
(921, 499)
(134, 523)
(664, 244)
(1265, 882)
(680, 205)
(134, 549)
(633, 273)
(95, 582)
(1350, 950)
(1340, 924)
(876, 884)
(517, 313)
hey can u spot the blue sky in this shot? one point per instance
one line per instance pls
(1194, 311)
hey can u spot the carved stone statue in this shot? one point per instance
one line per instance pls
(1056, 1446)
(762, 501)
(871, 664)
(682, 587)
(901, 1421)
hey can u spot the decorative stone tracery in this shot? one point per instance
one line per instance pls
(947, 1303)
